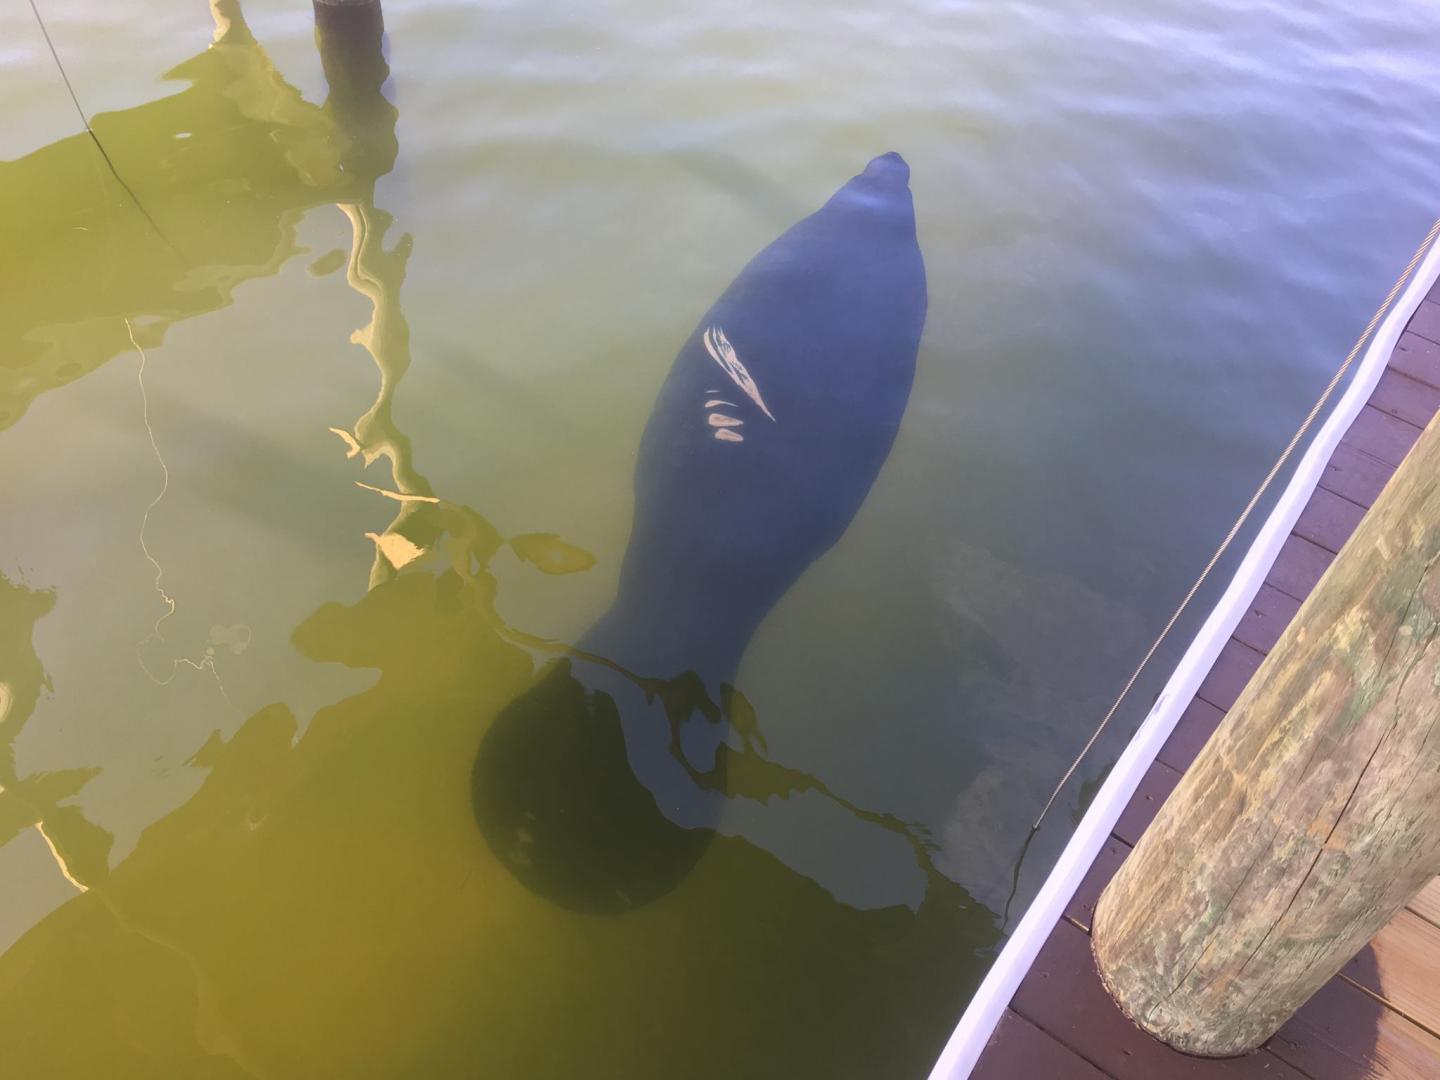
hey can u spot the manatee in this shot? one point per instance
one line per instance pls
(600, 786)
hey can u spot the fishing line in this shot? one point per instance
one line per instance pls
(96, 139)
(1250, 506)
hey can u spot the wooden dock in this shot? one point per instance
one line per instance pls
(1380, 1017)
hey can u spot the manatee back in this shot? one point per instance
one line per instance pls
(767, 436)
(784, 403)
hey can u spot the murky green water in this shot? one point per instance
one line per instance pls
(319, 412)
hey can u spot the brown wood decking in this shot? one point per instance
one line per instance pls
(1380, 1017)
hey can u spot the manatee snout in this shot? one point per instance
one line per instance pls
(888, 169)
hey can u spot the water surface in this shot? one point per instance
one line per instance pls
(319, 412)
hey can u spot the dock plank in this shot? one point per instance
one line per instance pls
(1328, 520)
(1232, 669)
(1406, 968)
(1299, 566)
(1081, 909)
(1063, 995)
(1154, 788)
(1343, 1034)
(1269, 614)
(1381, 435)
(1405, 398)
(1355, 475)
(1418, 358)
(1427, 904)
(1018, 1048)
(1192, 731)
(1426, 321)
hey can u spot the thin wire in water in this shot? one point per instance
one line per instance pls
(1285, 455)
(44, 31)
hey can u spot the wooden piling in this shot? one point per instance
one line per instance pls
(1313, 814)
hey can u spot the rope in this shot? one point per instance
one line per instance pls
(1285, 454)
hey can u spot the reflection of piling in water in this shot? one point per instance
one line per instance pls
(350, 34)
(350, 37)
(351, 40)
(377, 274)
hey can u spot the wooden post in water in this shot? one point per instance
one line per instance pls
(1312, 816)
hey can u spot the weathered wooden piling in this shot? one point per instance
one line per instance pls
(1313, 814)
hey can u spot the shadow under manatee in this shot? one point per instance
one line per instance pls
(766, 438)
(554, 792)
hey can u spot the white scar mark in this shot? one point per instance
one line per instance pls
(722, 422)
(723, 353)
(207, 660)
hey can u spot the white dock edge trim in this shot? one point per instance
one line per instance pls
(970, 1036)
